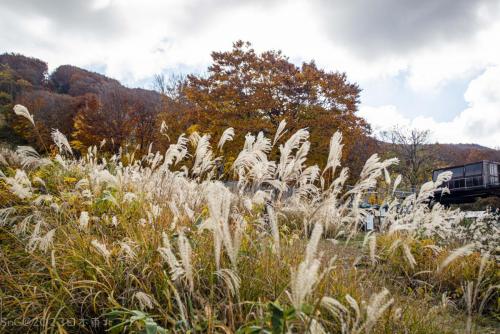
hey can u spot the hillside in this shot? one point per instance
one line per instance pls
(455, 154)
(58, 99)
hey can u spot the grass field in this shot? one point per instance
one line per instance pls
(159, 244)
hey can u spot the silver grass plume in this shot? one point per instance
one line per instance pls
(315, 327)
(176, 152)
(6, 215)
(145, 300)
(227, 135)
(262, 144)
(305, 276)
(101, 249)
(352, 322)
(428, 189)
(379, 303)
(20, 184)
(3, 161)
(168, 255)
(273, 222)
(203, 156)
(34, 238)
(455, 254)
(312, 245)
(178, 269)
(371, 171)
(83, 221)
(61, 141)
(409, 256)
(129, 197)
(81, 184)
(230, 279)
(338, 310)
(335, 153)
(357, 312)
(252, 166)
(47, 240)
(126, 250)
(280, 131)
(53, 259)
(387, 177)
(22, 111)
(305, 183)
(164, 129)
(218, 199)
(288, 164)
(30, 157)
(185, 253)
(396, 183)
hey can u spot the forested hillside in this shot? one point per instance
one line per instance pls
(84, 105)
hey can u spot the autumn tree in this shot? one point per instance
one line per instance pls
(253, 91)
(106, 117)
(177, 111)
(118, 115)
(416, 155)
(146, 106)
(171, 86)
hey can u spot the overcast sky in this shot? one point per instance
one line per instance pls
(431, 64)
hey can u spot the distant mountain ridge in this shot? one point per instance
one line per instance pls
(455, 154)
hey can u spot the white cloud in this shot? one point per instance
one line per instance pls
(135, 39)
(479, 123)
(432, 67)
(383, 117)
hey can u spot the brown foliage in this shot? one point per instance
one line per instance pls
(119, 116)
(50, 110)
(253, 92)
(29, 69)
(75, 81)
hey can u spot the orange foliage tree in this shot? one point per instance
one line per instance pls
(119, 115)
(253, 92)
(109, 118)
